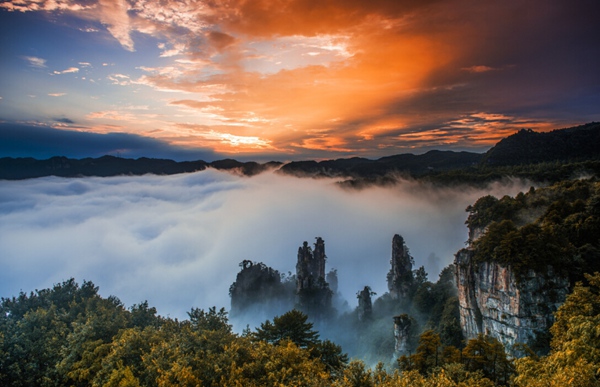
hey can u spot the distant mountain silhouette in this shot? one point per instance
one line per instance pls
(25, 168)
(526, 147)
(579, 143)
(414, 165)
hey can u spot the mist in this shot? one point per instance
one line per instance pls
(176, 241)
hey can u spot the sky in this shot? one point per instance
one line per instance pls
(290, 79)
(177, 241)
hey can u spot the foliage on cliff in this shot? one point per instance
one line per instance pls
(261, 291)
(575, 356)
(555, 226)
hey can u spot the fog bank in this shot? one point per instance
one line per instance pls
(176, 241)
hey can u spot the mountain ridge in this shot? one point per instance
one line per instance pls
(524, 148)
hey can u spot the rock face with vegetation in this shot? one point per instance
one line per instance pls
(400, 276)
(310, 267)
(70, 336)
(492, 301)
(314, 295)
(259, 287)
(524, 255)
(402, 333)
(262, 291)
(365, 304)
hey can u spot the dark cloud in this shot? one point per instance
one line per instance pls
(64, 120)
(220, 40)
(538, 55)
(18, 140)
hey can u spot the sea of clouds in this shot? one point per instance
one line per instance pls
(176, 241)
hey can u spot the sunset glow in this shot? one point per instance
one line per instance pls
(296, 79)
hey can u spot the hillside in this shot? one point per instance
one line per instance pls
(528, 147)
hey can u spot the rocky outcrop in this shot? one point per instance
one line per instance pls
(310, 267)
(494, 302)
(404, 330)
(314, 295)
(258, 286)
(365, 304)
(400, 277)
(332, 280)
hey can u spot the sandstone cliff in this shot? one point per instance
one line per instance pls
(400, 277)
(365, 304)
(524, 254)
(314, 295)
(493, 302)
(404, 327)
(310, 267)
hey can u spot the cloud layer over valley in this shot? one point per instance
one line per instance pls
(176, 241)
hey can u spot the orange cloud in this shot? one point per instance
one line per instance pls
(345, 76)
(290, 106)
(305, 17)
(114, 14)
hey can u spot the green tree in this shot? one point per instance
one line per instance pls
(330, 354)
(449, 326)
(210, 321)
(486, 354)
(46, 332)
(427, 355)
(90, 338)
(292, 325)
(143, 315)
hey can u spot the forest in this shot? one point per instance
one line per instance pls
(71, 336)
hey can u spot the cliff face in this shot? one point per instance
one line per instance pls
(310, 267)
(493, 302)
(258, 286)
(314, 296)
(400, 276)
(365, 305)
(404, 328)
